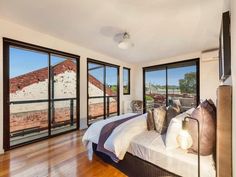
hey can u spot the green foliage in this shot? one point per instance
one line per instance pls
(125, 89)
(188, 84)
(114, 88)
(148, 98)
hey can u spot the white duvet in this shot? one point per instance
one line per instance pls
(118, 142)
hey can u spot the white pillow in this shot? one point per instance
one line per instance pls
(173, 130)
(172, 133)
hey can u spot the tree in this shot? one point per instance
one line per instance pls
(188, 84)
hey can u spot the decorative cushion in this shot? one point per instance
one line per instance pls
(150, 121)
(174, 128)
(136, 106)
(212, 105)
(206, 116)
(172, 112)
(172, 133)
(160, 121)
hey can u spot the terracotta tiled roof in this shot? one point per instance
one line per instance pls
(19, 82)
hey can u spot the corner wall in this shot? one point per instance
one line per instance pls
(17, 32)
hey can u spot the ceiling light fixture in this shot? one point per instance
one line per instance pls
(125, 43)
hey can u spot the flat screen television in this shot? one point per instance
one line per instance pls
(225, 48)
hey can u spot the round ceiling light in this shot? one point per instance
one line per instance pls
(125, 43)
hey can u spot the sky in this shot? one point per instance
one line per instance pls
(174, 75)
(111, 73)
(25, 61)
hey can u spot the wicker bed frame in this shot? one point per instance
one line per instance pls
(133, 166)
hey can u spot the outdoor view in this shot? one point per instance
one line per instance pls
(126, 81)
(29, 89)
(168, 85)
(102, 91)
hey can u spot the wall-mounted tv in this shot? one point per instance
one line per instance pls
(225, 48)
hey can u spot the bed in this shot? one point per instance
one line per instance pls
(148, 152)
(147, 156)
(151, 148)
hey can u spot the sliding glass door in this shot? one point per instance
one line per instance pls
(41, 93)
(103, 90)
(63, 93)
(172, 83)
(28, 94)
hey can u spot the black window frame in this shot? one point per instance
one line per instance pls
(90, 60)
(7, 43)
(128, 69)
(166, 65)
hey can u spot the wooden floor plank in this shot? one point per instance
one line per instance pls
(62, 156)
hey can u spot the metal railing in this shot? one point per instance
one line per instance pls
(106, 109)
(53, 123)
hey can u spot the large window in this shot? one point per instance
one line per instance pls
(126, 81)
(103, 90)
(41, 93)
(172, 83)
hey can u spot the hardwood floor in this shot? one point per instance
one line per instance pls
(62, 156)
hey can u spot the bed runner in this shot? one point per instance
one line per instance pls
(106, 132)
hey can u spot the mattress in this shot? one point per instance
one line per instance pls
(150, 147)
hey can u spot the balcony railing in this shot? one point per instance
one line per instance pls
(106, 110)
(54, 124)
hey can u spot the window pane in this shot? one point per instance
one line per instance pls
(96, 73)
(28, 95)
(96, 80)
(182, 86)
(63, 93)
(155, 88)
(111, 81)
(176, 81)
(102, 104)
(126, 81)
(112, 105)
(64, 77)
(96, 109)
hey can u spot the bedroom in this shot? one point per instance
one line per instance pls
(161, 33)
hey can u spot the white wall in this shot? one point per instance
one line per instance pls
(209, 74)
(17, 32)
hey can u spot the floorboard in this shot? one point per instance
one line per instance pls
(61, 156)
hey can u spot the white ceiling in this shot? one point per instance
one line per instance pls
(158, 28)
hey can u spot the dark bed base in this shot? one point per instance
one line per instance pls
(133, 166)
